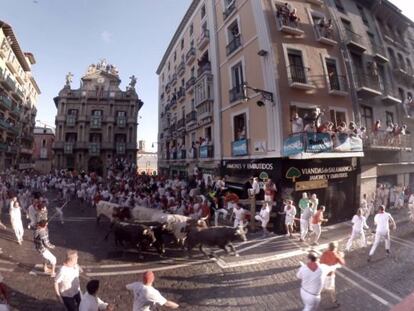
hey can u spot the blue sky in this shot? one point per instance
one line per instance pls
(68, 35)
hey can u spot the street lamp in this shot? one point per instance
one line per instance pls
(266, 95)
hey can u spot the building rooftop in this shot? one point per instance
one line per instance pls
(43, 130)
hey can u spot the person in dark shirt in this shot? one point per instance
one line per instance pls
(42, 245)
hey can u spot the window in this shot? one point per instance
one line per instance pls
(333, 76)
(73, 112)
(192, 44)
(401, 93)
(366, 117)
(371, 39)
(237, 78)
(392, 56)
(207, 133)
(169, 67)
(347, 25)
(228, 3)
(389, 118)
(362, 14)
(401, 61)
(192, 72)
(97, 112)
(337, 117)
(233, 34)
(121, 113)
(193, 137)
(409, 67)
(203, 11)
(240, 127)
(44, 143)
(191, 29)
(175, 55)
(297, 70)
(339, 6)
(182, 44)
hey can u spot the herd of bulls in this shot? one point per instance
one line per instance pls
(143, 228)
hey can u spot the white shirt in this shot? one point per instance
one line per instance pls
(359, 223)
(15, 214)
(145, 296)
(91, 303)
(297, 125)
(68, 281)
(312, 281)
(382, 220)
(265, 212)
(238, 213)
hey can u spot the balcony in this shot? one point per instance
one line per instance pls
(233, 45)
(379, 54)
(190, 56)
(4, 124)
(94, 149)
(389, 96)
(205, 111)
(189, 85)
(180, 94)
(71, 120)
(367, 86)
(203, 69)
(120, 148)
(121, 121)
(298, 78)
(173, 103)
(96, 122)
(192, 153)
(12, 65)
(181, 124)
(229, 9)
(19, 93)
(236, 94)
(387, 141)
(354, 41)
(206, 151)
(181, 68)
(322, 145)
(338, 85)
(26, 150)
(168, 87)
(239, 148)
(287, 25)
(203, 39)
(9, 84)
(174, 79)
(191, 118)
(181, 154)
(325, 35)
(68, 148)
(5, 102)
(203, 89)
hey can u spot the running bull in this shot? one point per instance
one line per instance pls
(221, 237)
(129, 234)
(112, 211)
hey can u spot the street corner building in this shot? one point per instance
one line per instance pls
(96, 123)
(251, 88)
(18, 99)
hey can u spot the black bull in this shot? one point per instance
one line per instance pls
(214, 236)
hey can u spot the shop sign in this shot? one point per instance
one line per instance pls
(318, 142)
(293, 145)
(311, 184)
(239, 147)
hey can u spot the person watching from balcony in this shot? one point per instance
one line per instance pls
(310, 127)
(297, 124)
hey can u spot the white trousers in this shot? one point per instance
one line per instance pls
(222, 211)
(317, 229)
(263, 220)
(356, 236)
(311, 302)
(379, 236)
(49, 257)
(17, 226)
(304, 228)
(238, 222)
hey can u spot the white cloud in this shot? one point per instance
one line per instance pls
(106, 36)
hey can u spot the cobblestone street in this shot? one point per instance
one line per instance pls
(262, 278)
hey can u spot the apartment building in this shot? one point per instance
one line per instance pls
(44, 138)
(96, 123)
(268, 73)
(378, 49)
(18, 98)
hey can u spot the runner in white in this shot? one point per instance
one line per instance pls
(16, 221)
(312, 276)
(146, 296)
(382, 221)
(359, 224)
(264, 217)
(239, 214)
(290, 213)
